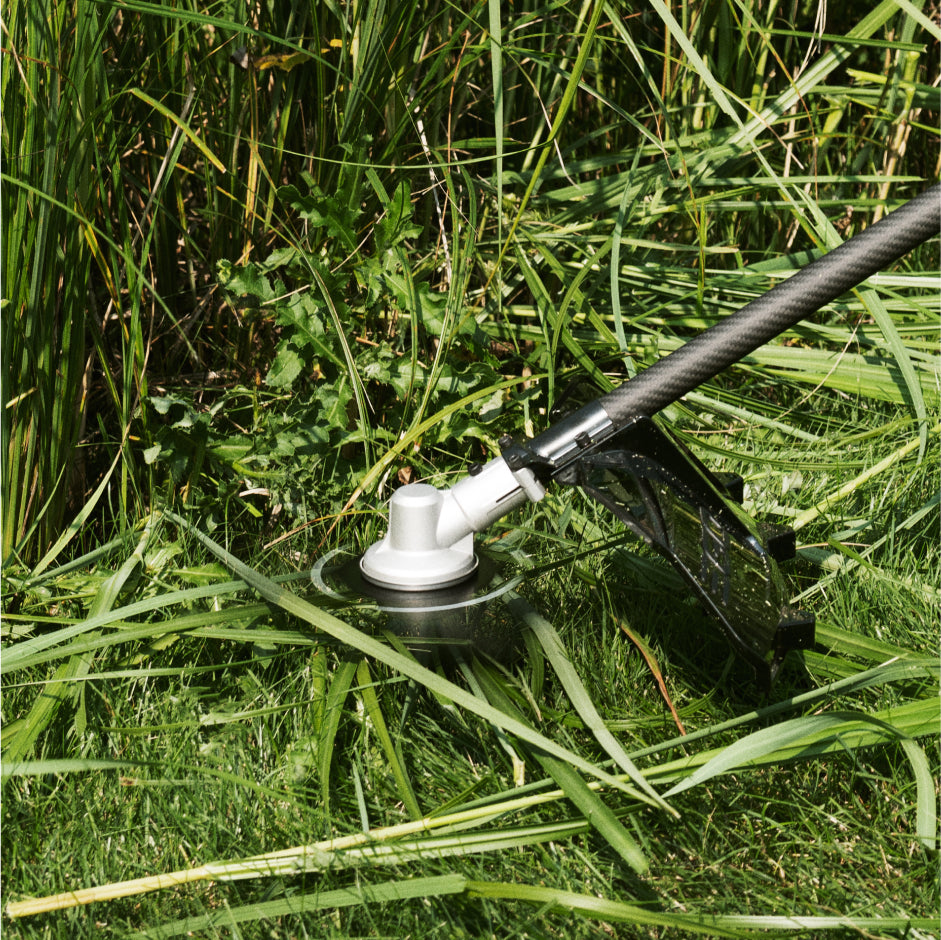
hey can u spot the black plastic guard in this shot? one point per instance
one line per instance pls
(669, 499)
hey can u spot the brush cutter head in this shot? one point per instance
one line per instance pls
(657, 489)
(413, 557)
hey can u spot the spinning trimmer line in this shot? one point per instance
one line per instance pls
(614, 452)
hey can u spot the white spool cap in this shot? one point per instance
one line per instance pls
(430, 542)
(410, 557)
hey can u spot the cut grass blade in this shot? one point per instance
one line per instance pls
(394, 891)
(853, 485)
(548, 900)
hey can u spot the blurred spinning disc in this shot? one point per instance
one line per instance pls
(468, 615)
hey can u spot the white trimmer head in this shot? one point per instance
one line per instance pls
(430, 540)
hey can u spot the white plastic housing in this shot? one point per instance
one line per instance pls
(430, 542)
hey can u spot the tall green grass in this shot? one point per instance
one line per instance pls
(241, 305)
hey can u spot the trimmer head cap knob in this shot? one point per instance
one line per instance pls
(410, 557)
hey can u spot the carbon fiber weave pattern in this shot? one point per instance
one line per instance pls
(782, 307)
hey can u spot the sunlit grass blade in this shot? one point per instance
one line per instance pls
(383, 893)
(546, 899)
(812, 735)
(191, 135)
(853, 485)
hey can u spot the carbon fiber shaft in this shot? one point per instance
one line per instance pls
(782, 307)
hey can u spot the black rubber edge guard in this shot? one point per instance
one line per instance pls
(782, 307)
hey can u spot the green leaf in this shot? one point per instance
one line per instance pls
(335, 214)
(247, 284)
(396, 225)
(287, 366)
(299, 313)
